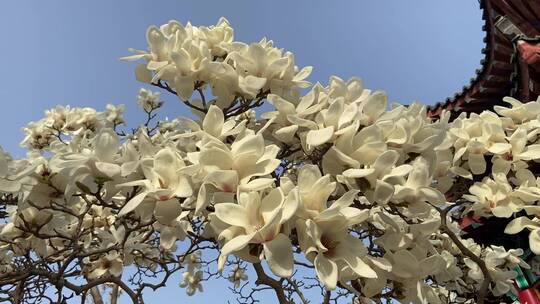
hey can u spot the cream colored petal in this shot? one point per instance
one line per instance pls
(520, 223)
(501, 166)
(165, 165)
(9, 185)
(236, 244)
(106, 144)
(318, 137)
(133, 203)
(354, 216)
(232, 214)
(303, 73)
(500, 148)
(375, 105)
(251, 85)
(358, 265)
(224, 180)
(432, 265)
(286, 134)
(534, 241)
(383, 192)
(271, 203)
(184, 86)
(257, 184)
(216, 157)
(167, 238)
(345, 200)
(386, 160)
(531, 152)
(249, 144)
(167, 211)
(405, 264)
(327, 271)
(143, 74)
(477, 163)
(307, 176)
(357, 173)
(279, 255)
(290, 205)
(213, 121)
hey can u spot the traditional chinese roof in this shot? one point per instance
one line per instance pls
(511, 66)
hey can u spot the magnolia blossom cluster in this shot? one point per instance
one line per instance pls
(335, 184)
(75, 123)
(189, 58)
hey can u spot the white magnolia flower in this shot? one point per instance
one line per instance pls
(258, 220)
(417, 190)
(238, 274)
(533, 225)
(148, 100)
(494, 196)
(191, 281)
(162, 187)
(519, 112)
(226, 168)
(327, 243)
(110, 263)
(514, 154)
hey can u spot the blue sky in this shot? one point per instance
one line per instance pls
(66, 52)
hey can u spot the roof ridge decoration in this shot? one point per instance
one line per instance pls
(511, 66)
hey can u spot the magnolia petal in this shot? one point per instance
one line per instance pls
(383, 192)
(143, 74)
(359, 266)
(215, 157)
(232, 214)
(357, 173)
(224, 180)
(477, 163)
(9, 185)
(278, 253)
(534, 241)
(132, 203)
(184, 86)
(213, 121)
(354, 215)
(327, 271)
(286, 134)
(375, 105)
(432, 195)
(345, 200)
(406, 265)
(110, 170)
(520, 223)
(165, 165)
(290, 205)
(257, 184)
(106, 144)
(500, 148)
(531, 152)
(167, 238)
(461, 172)
(303, 73)
(236, 244)
(271, 203)
(167, 211)
(316, 138)
(251, 85)
(386, 160)
(249, 145)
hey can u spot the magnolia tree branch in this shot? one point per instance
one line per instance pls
(264, 279)
(466, 251)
